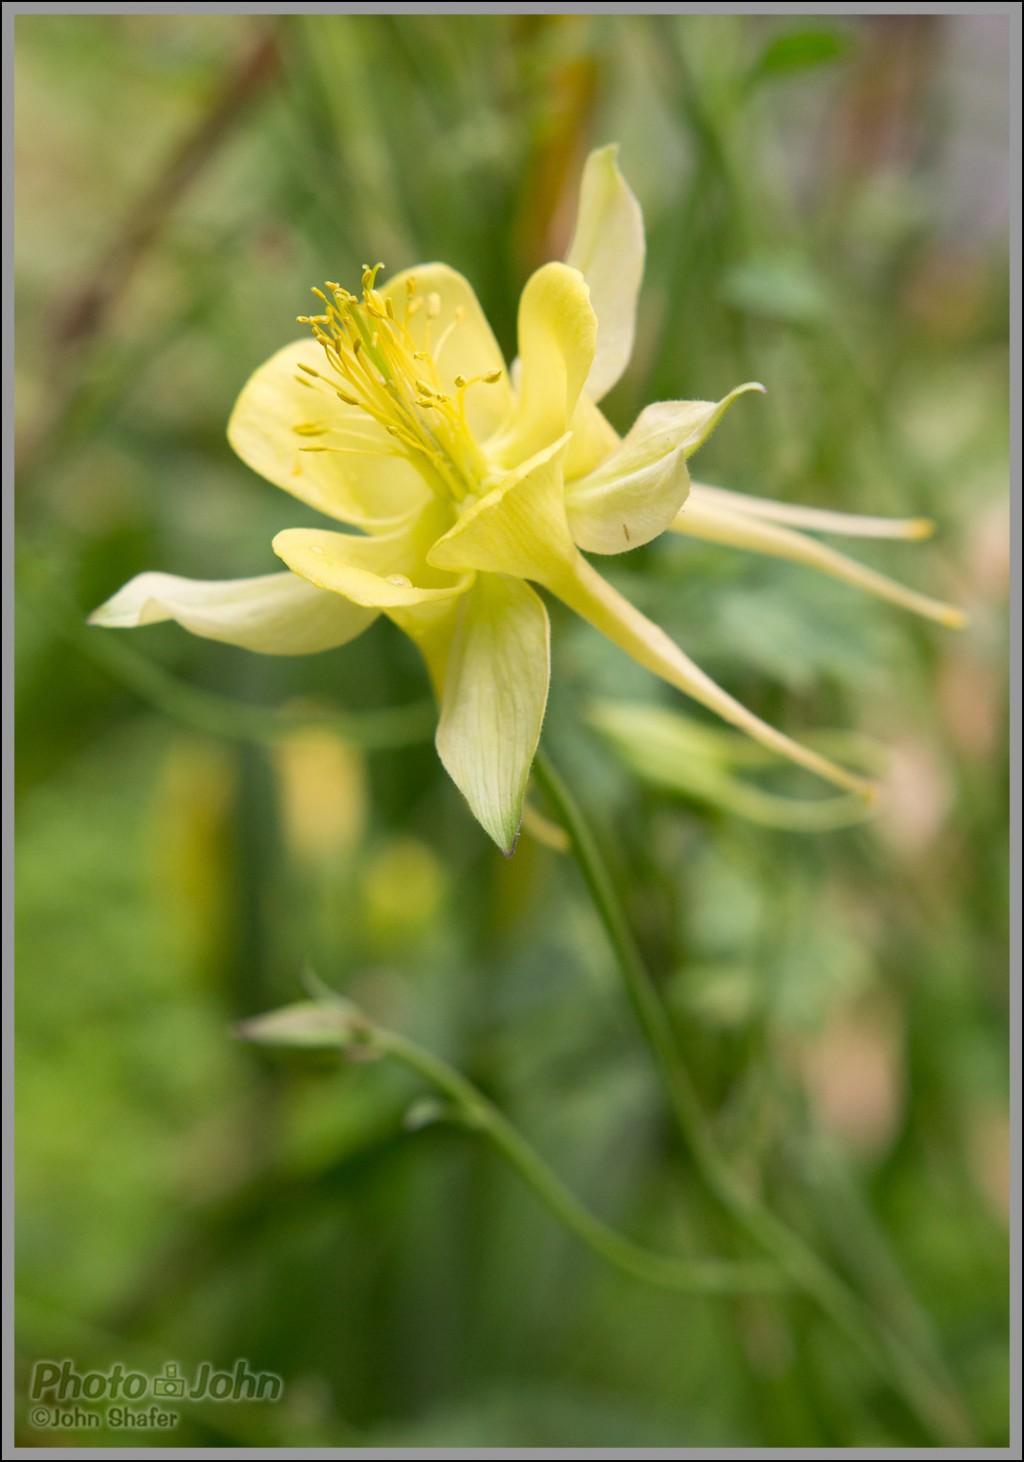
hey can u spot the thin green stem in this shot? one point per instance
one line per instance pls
(330, 1022)
(928, 1396)
(222, 715)
(481, 1115)
(206, 710)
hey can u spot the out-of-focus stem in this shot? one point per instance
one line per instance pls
(697, 1276)
(929, 1397)
(42, 596)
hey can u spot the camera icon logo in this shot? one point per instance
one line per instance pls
(171, 1383)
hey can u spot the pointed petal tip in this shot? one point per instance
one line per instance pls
(503, 830)
(113, 615)
(504, 836)
(607, 149)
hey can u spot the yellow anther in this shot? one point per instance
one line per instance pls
(492, 376)
(308, 369)
(374, 366)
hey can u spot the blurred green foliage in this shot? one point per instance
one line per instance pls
(824, 213)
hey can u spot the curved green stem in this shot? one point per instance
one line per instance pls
(329, 1022)
(207, 710)
(222, 715)
(930, 1397)
(480, 1114)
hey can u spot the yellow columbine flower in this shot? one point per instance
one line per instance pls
(396, 416)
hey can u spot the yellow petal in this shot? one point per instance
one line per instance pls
(594, 439)
(519, 528)
(368, 571)
(450, 324)
(495, 692)
(608, 250)
(291, 428)
(277, 614)
(557, 332)
(585, 591)
(710, 520)
(389, 573)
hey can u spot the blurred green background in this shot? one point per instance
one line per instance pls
(826, 203)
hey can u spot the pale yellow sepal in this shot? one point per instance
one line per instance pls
(608, 249)
(638, 489)
(276, 614)
(495, 692)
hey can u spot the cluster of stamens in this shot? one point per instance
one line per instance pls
(382, 370)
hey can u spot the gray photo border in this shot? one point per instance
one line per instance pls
(194, 7)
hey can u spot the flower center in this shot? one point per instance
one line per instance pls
(386, 372)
